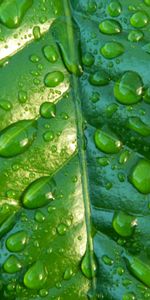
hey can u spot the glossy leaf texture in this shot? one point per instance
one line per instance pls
(74, 150)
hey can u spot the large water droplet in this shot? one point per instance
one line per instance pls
(112, 50)
(123, 223)
(53, 79)
(140, 177)
(50, 53)
(17, 137)
(128, 90)
(139, 19)
(39, 193)
(138, 268)
(48, 110)
(12, 265)
(110, 27)
(114, 9)
(106, 142)
(135, 35)
(12, 12)
(129, 296)
(88, 265)
(17, 241)
(36, 276)
(139, 126)
(5, 104)
(99, 78)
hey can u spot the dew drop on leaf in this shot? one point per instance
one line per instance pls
(139, 19)
(140, 177)
(50, 53)
(17, 241)
(48, 110)
(123, 224)
(112, 49)
(36, 276)
(110, 27)
(12, 265)
(106, 142)
(53, 79)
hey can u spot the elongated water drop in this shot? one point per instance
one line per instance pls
(39, 193)
(139, 19)
(106, 142)
(36, 32)
(17, 137)
(139, 269)
(123, 223)
(12, 12)
(17, 241)
(48, 110)
(36, 276)
(139, 126)
(50, 53)
(8, 224)
(88, 265)
(140, 176)
(53, 79)
(128, 90)
(12, 265)
(5, 104)
(112, 50)
(109, 26)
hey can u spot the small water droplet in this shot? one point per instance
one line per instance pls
(112, 49)
(39, 217)
(109, 26)
(139, 19)
(128, 90)
(124, 156)
(99, 78)
(123, 224)
(48, 136)
(50, 53)
(106, 142)
(17, 241)
(103, 161)
(114, 9)
(12, 265)
(107, 260)
(36, 32)
(68, 273)
(53, 79)
(61, 228)
(22, 96)
(140, 177)
(48, 110)
(129, 296)
(135, 35)
(36, 276)
(88, 59)
(5, 104)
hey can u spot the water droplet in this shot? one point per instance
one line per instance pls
(110, 27)
(39, 217)
(128, 90)
(48, 110)
(48, 136)
(43, 293)
(22, 96)
(5, 104)
(123, 224)
(88, 265)
(53, 79)
(107, 260)
(99, 78)
(34, 58)
(16, 138)
(7, 224)
(50, 53)
(12, 12)
(95, 97)
(36, 32)
(36, 276)
(124, 157)
(114, 9)
(61, 228)
(39, 193)
(88, 59)
(68, 273)
(120, 271)
(147, 2)
(139, 19)
(140, 177)
(135, 36)
(112, 49)
(138, 268)
(129, 296)
(12, 265)
(17, 241)
(106, 142)
(92, 7)
(103, 161)
(139, 126)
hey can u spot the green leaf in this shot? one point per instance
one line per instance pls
(74, 150)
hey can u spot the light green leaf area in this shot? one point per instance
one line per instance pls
(74, 150)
